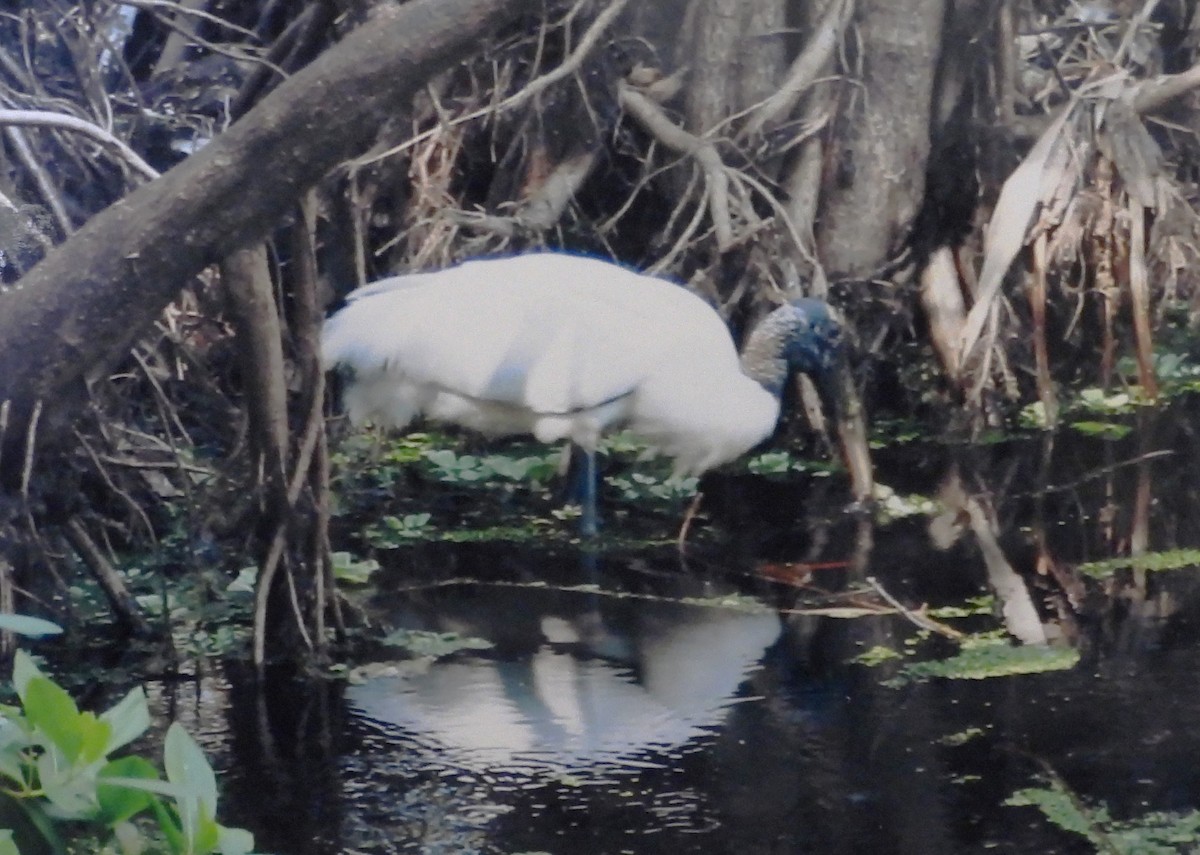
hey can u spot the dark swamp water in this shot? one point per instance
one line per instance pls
(632, 703)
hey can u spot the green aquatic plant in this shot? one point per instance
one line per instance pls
(33, 627)
(524, 530)
(877, 655)
(1177, 372)
(891, 432)
(1063, 808)
(972, 606)
(1100, 402)
(57, 775)
(434, 644)
(392, 531)
(645, 486)
(1104, 430)
(352, 571)
(980, 656)
(989, 655)
(449, 466)
(890, 505)
(1155, 833)
(1170, 559)
(963, 736)
(1093, 402)
(428, 487)
(205, 612)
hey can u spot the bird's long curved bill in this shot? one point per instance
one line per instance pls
(851, 425)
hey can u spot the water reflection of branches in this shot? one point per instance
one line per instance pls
(1094, 474)
(972, 511)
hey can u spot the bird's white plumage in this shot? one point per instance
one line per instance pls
(553, 345)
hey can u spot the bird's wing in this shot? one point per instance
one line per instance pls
(551, 333)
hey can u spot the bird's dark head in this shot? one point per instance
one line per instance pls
(800, 336)
(814, 343)
(806, 336)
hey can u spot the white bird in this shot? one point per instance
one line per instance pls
(562, 346)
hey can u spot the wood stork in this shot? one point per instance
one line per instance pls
(562, 346)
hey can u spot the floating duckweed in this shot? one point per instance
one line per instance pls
(435, 644)
(1171, 559)
(1063, 809)
(973, 606)
(348, 570)
(1156, 833)
(982, 658)
(877, 655)
(962, 737)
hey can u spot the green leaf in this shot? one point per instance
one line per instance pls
(246, 579)
(232, 841)
(208, 833)
(1107, 430)
(51, 710)
(13, 768)
(95, 736)
(7, 845)
(70, 788)
(442, 457)
(154, 786)
(188, 769)
(167, 820)
(877, 655)
(128, 719)
(24, 670)
(347, 569)
(27, 820)
(119, 802)
(34, 627)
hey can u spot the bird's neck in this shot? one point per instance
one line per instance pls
(763, 359)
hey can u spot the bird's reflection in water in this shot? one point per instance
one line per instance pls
(595, 683)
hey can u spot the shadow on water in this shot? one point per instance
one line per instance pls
(633, 704)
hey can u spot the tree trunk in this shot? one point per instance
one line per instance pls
(84, 305)
(882, 142)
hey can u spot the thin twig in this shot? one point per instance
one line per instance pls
(270, 566)
(535, 87)
(4, 410)
(180, 9)
(915, 617)
(654, 120)
(46, 188)
(122, 603)
(30, 443)
(63, 121)
(134, 506)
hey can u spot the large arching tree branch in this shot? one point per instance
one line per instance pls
(89, 299)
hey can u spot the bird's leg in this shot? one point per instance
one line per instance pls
(689, 515)
(581, 486)
(587, 524)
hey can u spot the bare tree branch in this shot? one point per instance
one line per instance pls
(535, 87)
(805, 68)
(85, 303)
(654, 120)
(62, 121)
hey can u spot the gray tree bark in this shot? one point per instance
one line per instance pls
(88, 300)
(882, 145)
